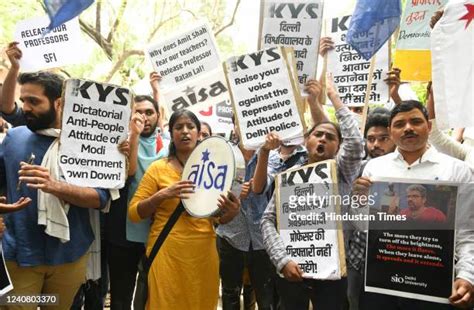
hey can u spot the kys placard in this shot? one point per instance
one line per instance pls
(265, 96)
(94, 122)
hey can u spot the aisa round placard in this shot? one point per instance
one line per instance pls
(212, 168)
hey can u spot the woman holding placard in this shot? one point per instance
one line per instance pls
(184, 274)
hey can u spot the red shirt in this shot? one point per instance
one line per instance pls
(430, 214)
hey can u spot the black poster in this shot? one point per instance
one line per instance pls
(5, 282)
(410, 242)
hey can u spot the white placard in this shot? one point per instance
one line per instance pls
(351, 71)
(61, 47)
(264, 97)
(294, 24)
(207, 97)
(184, 56)
(95, 120)
(304, 211)
(415, 28)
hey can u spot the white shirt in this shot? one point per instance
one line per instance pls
(448, 146)
(437, 166)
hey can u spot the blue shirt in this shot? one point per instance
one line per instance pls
(16, 118)
(244, 230)
(25, 241)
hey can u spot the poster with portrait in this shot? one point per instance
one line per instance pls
(410, 242)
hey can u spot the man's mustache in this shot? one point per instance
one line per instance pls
(410, 134)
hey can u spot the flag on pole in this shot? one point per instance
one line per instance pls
(452, 49)
(372, 24)
(60, 11)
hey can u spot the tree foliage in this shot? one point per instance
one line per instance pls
(116, 32)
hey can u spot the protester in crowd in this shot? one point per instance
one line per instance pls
(324, 141)
(240, 245)
(51, 260)
(206, 130)
(187, 261)
(377, 137)
(126, 240)
(413, 159)
(378, 143)
(92, 293)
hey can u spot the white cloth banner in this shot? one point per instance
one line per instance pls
(452, 48)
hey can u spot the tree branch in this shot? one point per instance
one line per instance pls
(121, 61)
(216, 33)
(97, 37)
(98, 16)
(117, 20)
(190, 12)
(154, 31)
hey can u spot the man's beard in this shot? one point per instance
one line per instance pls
(41, 121)
(152, 131)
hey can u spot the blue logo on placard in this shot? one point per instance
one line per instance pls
(207, 174)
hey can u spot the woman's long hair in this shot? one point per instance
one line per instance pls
(174, 117)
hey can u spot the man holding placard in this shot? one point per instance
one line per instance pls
(413, 159)
(323, 142)
(29, 168)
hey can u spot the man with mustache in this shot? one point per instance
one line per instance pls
(413, 159)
